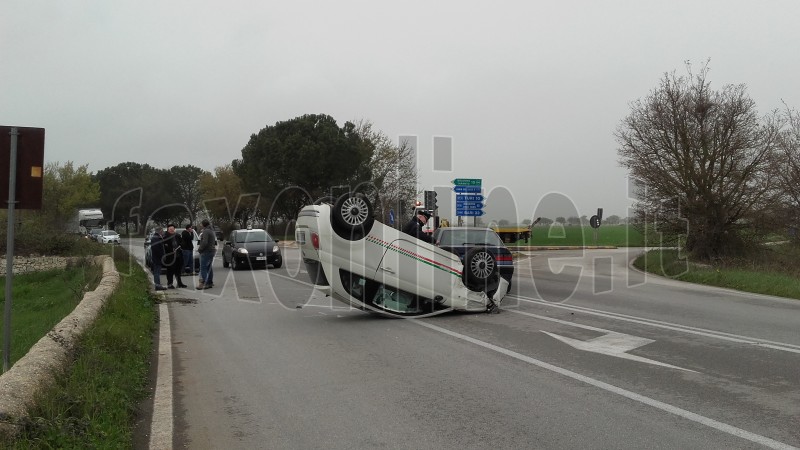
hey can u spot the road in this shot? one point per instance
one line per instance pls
(585, 354)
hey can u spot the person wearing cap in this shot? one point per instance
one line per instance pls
(414, 226)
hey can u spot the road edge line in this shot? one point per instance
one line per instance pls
(161, 426)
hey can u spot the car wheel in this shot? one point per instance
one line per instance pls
(225, 262)
(235, 265)
(480, 270)
(277, 265)
(352, 216)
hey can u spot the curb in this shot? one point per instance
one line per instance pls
(563, 247)
(38, 368)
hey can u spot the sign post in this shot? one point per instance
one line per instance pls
(12, 187)
(29, 167)
(469, 198)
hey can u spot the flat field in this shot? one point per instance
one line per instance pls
(567, 235)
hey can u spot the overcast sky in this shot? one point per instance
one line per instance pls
(529, 93)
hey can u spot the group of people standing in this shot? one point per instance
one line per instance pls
(175, 253)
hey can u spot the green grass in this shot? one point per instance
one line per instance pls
(607, 235)
(772, 271)
(40, 300)
(94, 402)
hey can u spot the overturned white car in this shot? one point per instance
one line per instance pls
(371, 266)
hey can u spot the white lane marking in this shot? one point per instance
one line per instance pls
(161, 427)
(614, 344)
(782, 346)
(694, 417)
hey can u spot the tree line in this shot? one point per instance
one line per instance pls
(282, 167)
(709, 171)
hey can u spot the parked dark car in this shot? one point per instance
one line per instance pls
(459, 240)
(251, 248)
(148, 256)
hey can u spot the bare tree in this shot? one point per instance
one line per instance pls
(788, 170)
(701, 158)
(394, 174)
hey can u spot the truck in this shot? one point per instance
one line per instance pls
(86, 220)
(511, 234)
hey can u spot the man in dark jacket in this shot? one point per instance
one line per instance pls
(157, 257)
(187, 246)
(414, 226)
(173, 257)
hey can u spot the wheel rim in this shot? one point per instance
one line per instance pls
(482, 265)
(354, 211)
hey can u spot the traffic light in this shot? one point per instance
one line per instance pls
(430, 200)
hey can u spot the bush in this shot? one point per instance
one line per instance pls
(31, 237)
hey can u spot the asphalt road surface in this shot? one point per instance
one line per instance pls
(586, 353)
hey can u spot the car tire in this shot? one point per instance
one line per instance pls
(235, 265)
(480, 270)
(225, 262)
(352, 216)
(277, 265)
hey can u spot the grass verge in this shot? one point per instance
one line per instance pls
(94, 402)
(40, 300)
(771, 271)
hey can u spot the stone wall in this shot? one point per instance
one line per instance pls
(28, 264)
(19, 386)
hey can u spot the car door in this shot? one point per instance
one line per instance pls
(417, 267)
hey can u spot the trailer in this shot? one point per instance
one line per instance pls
(85, 220)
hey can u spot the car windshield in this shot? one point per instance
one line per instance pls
(252, 236)
(469, 237)
(109, 233)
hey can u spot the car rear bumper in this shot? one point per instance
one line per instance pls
(253, 260)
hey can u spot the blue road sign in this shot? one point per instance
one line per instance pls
(469, 205)
(468, 212)
(469, 198)
(467, 189)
